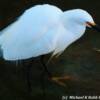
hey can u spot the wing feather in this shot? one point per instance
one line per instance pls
(25, 37)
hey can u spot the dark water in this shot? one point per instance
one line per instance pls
(79, 61)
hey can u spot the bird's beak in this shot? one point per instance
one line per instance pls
(93, 26)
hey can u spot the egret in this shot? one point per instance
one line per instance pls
(43, 29)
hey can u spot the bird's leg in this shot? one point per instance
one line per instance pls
(59, 80)
(29, 76)
(42, 79)
(45, 66)
(45, 70)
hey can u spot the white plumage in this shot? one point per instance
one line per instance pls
(42, 29)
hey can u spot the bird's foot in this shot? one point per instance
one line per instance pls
(60, 80)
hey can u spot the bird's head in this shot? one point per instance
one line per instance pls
(82, 18)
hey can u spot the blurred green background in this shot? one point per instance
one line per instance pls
(79, 61)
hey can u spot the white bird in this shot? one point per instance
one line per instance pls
(43, 29)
